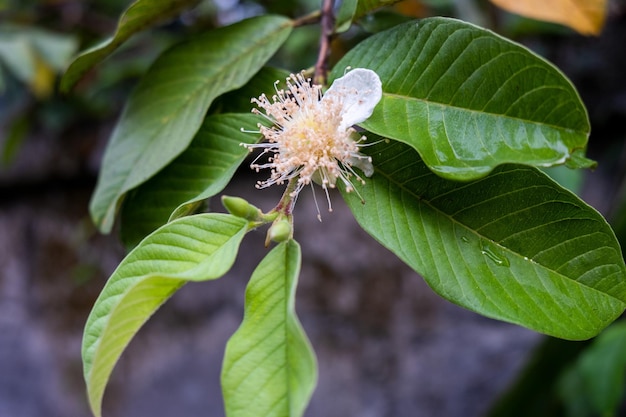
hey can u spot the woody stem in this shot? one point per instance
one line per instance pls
(327, 23)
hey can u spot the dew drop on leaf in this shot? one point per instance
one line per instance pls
(494, 255)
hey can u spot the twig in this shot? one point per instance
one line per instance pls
(310, 18)
(327, 24)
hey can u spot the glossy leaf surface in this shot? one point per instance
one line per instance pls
(139, 16)
(194, 248)
(166, 109)
(269, 366)
(514, 245)
(200, 172)
(469, 100)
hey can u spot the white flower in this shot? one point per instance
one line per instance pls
(311, 136)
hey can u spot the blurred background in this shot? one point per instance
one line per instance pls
(386, 344)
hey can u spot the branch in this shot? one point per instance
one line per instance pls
(311, 18)
(327, 24)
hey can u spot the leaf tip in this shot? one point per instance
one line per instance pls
(577, 159)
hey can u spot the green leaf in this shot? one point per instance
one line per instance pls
(514, 245)
(238, 101)
(469, 100)
(166, 109)
(269, 366)
(200, 172)
(366, 6)
(597, 378)
(204, 168)
(533, 392)
(195, 248)
(345, 14)
(571, 388)
(139, 16)
(383, 20)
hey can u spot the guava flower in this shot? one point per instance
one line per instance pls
(311, 137)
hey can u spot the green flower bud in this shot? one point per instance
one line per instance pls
(239, 207)
(280, 231)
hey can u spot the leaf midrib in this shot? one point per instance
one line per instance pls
(427, 202)
(140, 279)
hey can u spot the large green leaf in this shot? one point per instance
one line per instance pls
(166, 109)
(139, 16)
(200, 172)
(513, 245)
(468, 100)
(205, 167)
(238, 101)
(194, 248)
(269, 366)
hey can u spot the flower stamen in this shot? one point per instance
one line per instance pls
(311, 137)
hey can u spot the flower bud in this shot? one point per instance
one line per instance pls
(239, 207)
(280, 231)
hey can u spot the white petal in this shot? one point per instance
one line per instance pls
(360, 90)
(364, 164)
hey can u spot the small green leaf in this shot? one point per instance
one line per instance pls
(195, 248)
(345, 14)
(269, 366)
(139, 16)
(578, 160)
(166, 109)
(383, 20)
(366, 6)
(469, 100)
(514, 245)
(200, 172)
